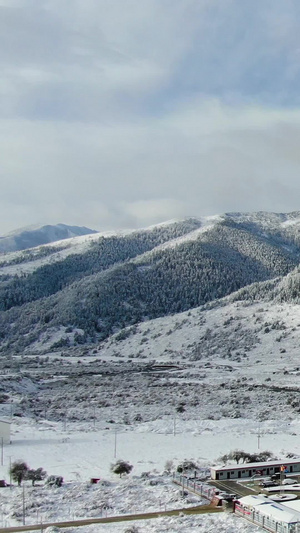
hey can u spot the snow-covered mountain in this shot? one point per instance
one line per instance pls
(32, 236)
(182, 338)
(84, 289)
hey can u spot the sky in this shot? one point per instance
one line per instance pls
(125, 113)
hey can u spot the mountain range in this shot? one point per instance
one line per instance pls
(32, 236)
(90, 288)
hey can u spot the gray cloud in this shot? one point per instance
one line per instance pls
(129, 112)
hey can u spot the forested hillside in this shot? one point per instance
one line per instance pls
(101, 255)
(121, 280)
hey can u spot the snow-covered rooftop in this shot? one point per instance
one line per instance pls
(278, 511)
(250, 466)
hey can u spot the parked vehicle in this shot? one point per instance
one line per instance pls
(289, 481)
(264, 480)
(227, 496)
(268, 484)
(278, 476)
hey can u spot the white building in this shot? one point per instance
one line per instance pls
(275, 517)
(4, 432)
(244, 470)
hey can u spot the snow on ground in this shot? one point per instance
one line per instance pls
(263, 330)
(65, 247)
(248, 367)
(73, 245)
(207, 224)
(81, 451)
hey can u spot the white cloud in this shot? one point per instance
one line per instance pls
(117, 113)
(147, 212)
(213, 160)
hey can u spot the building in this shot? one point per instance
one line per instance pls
(247, 470)
(5, 432)
(272, 516)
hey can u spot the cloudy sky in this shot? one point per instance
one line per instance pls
(124, 113)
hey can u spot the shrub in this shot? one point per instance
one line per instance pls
(121, 467)
(36, 475)
(18, 471)
(56, 481)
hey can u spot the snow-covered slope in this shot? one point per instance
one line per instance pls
(189, 385)
(194, 385)
(27, 261)
(99, 283)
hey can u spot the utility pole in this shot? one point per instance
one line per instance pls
(10, 472)
(23, 501)
(115, 450)
(258, 437)
(281, 478)
(2, 442)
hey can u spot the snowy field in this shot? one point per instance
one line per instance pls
(81, 451)
(84, 451)
(231, 380)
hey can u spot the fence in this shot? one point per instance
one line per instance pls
(193, 485)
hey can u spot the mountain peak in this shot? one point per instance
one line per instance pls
(31, 236)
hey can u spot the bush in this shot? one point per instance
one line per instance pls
(186, 465)
(18, 471)
(121, 467)
(56, 481)
(36, 475)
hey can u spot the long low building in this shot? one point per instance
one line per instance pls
(272, 516)
(246, 470)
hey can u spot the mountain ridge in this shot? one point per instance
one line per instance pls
(121, 280)
(32, 236)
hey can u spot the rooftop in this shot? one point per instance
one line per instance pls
(247, 466)
(267, 507)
